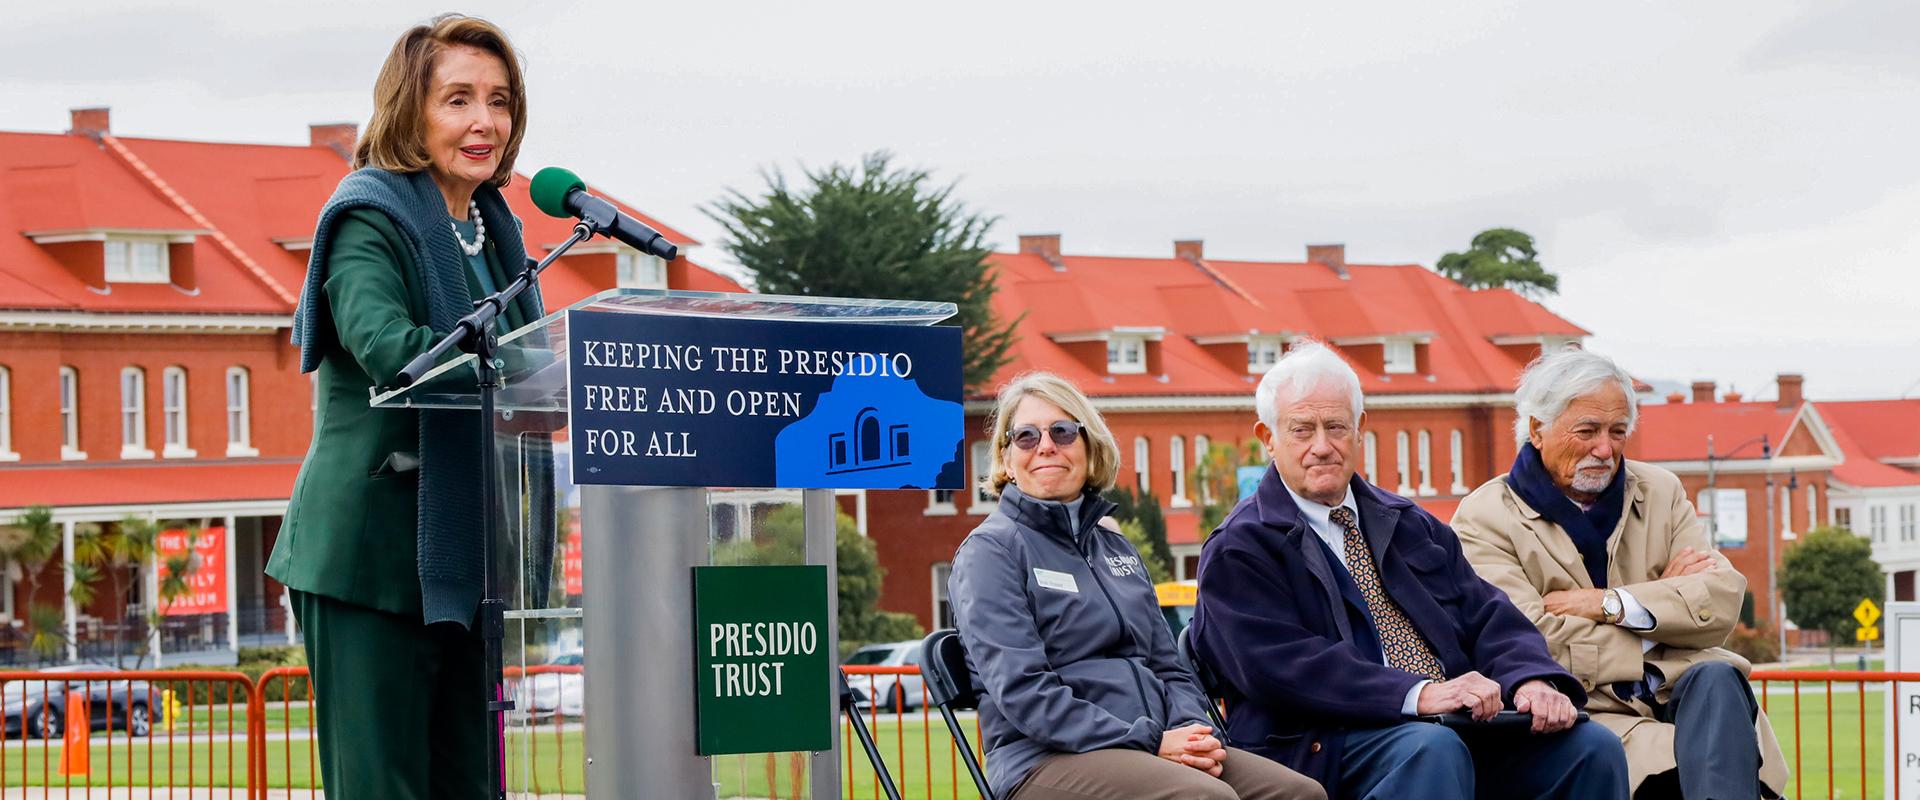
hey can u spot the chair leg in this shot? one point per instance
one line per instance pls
(866, 739)
(966, 752)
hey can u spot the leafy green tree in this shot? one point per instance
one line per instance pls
(1218, 476)
(1159, 570)
(1825, 576)
(1143, 508)
(34, 541)
(1500, 257)
(781, 539)
(872, 231)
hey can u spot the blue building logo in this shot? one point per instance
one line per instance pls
(871, 447)
(872, 432)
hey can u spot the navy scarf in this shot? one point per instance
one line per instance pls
(1588, 529)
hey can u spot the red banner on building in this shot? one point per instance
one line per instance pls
(207, 577)
(570, 556)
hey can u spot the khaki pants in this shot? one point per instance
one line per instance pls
(1137, 775)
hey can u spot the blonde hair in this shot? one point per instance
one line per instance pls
(1103, 454)
(396, 136)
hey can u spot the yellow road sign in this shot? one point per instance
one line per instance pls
(1866, 634)
(1867, 613)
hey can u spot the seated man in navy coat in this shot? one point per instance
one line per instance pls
(1336, 613)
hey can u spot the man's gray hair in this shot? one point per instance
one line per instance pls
(1553, 380)
(1306, 367)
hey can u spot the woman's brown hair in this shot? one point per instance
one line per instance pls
(396, 136)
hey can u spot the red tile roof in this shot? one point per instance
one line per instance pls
(135, 483)
(244, 200)
(1871, 431)
(1095, 293)
(1678, 431)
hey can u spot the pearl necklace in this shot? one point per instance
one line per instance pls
(479, 230)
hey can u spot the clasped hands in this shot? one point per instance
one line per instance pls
(1195, 746)
(1586, 602)
(1480, 696)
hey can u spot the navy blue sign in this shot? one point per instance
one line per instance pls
(696, 401)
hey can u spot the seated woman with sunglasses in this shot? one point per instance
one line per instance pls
(1084, 693)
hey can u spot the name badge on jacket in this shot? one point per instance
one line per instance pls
(1062, 581)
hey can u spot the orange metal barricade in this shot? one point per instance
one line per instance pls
(287, 692)
(544, 734)
(1764, 681)
(890, 736)
(154, 729)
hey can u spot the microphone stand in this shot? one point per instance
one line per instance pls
(474, 333)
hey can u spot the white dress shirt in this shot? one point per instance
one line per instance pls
(1319, 518)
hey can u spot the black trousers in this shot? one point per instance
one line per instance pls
(398, 706)
(1712, 711)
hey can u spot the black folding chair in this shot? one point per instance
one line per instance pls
(847, 701)
(943, 662)
(1209, 683)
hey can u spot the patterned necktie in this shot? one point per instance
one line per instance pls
(1399, 642)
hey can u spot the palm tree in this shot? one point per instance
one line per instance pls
(116, 553)
(35, 543)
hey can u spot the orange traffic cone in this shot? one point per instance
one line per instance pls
(74, 755)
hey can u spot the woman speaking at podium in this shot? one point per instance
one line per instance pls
(381, 545)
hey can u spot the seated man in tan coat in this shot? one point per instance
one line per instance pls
(1607, 557)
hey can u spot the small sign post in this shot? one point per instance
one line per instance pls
(1866, 614)
(762, 657)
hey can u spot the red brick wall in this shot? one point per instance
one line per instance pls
(280, 397)
(1751, 559)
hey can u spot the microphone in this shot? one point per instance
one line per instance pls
(562, 194)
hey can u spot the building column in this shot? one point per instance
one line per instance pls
(71, 613)
(233, 595)
(151, 600)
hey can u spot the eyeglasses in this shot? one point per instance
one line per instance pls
(1062, 432)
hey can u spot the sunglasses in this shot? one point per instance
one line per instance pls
(1063, 432)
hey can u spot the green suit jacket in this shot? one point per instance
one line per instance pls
(349, 533)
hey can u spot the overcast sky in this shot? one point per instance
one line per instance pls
(1727, 189)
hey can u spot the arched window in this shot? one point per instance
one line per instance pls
(173, 412)
(239, 414)
(1403, 458)
(1370, 456)
(6, 416)
(1141, 468)
(870, 444)
(1426, 463)
(70, 415)
(1456, 454)
(1200, 448)
(1177, 460)
(133, 413)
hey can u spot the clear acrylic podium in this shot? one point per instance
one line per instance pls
(599, 646)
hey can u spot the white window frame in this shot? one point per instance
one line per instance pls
(1908, 523)
(70, 415)
(1403, 458)
(1398, 357)
(240, 413)
(1786, 513)
(124, 263)
(6, 418)
(1457, 458)
(1842, 516)
(1126, 354)
(1426, 464)
(940, 571)
(173, 413)
(636, 270)
(1177, 462)
(133, 414)
(1263, 352)
(1370, 456)
(1877, 522)
(1813, 499)
(1142, 464)
(940, 503)
(983, 500)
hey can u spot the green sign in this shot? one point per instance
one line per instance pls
(762, 659)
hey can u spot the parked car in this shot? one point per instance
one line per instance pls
(40, 707)
(894, 691)
(557, 692)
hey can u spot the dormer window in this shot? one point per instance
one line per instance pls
(137, 259)
(636, 270)
(1127, 354)
(1398, 357)
(1262, 353)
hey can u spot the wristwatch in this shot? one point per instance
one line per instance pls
(1611, 609)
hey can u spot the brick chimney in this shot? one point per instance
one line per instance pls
(1790, 385)
(90, 121)
(336, 136)
(1044, 245)
(1331, 256)
(1703, 391)
(1189, 250)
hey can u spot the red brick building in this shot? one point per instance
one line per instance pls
(146, 296)
(1170, 349)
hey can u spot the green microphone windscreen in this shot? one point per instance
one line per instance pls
(550, 187)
